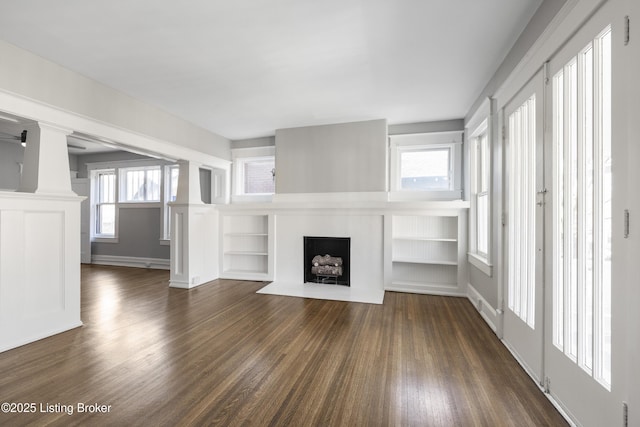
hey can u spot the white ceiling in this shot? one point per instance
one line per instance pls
(244, 68)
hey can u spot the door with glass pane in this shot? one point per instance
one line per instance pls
(578, 346)
(523, 311)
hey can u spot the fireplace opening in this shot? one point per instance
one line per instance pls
(326, 260)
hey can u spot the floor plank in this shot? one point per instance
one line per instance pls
(221, 354)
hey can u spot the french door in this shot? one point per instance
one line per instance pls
(524, 162)
(580, 118)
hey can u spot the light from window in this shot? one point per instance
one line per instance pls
(140, 184)
(105, 207)
(171, 192)
(259, 176)
(582, 209)
(425, 169)
(522, 224)
(482, 195)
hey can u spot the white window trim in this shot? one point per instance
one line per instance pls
(95, 237)
(92, 168)
(165, 213)
(400, 143)
(240, 156)
(480, 124)
(121, 185)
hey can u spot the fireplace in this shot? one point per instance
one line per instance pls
(326, 260)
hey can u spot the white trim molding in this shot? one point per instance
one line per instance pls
(480, 263)
(127, 261)
(488, 313)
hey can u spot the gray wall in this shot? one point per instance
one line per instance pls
(426, 127)
(349, 157)
(205, 185)
(138, 235)
(11, 154)
(488, 286)
(140, 229)
(538, 23)
(267, 141)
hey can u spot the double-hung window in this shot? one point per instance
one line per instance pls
(479, 140)
(482, 195)
(170, 192)
(105, 205)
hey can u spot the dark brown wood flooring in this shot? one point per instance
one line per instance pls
(223, 355)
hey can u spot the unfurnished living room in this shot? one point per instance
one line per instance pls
(336, 213)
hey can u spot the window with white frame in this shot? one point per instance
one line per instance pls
(480, 177)
(140, 184)
(105, 203)
(171, 173)
(426, 165)
(254, 173)
(129, 184)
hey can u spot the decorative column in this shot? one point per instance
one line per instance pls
(40, 244)
(194, 231)
(46, 161)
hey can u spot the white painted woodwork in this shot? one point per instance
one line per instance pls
(194, 231)
(39, 266)
(189, 183)
(46, 161)
(246, 252)
(428, 252)
(82, 187)
(425, 253)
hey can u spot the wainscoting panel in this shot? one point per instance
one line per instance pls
(39, 267)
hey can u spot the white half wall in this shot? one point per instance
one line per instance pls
(39, 267)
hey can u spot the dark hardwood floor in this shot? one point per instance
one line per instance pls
(221, 354)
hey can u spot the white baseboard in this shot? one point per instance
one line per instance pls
(488, 313)
(125, 261)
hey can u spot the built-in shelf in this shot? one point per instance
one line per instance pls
(245, 246)
(425, 253)
(424, 261)
(246, 253)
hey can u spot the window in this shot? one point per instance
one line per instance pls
(140, 184)
(426, 166)
(480, 177)
(258, 175)
(105, 206)
(582, 209)
(254, 173)
(170, 192)
(482, 194)
(521, 227)
(130, 184)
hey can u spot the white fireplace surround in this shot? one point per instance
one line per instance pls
(367, 223)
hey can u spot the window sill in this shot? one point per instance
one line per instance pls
(165, 242)
(412, 195)
(128, 205)
(105, 240)
(480, 263)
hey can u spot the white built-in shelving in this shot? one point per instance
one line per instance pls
(425, 253)
(245, 247)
